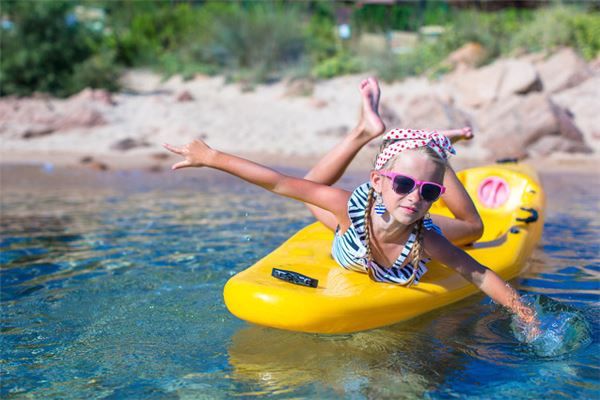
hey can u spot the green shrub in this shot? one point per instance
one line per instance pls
(424, 59)
(340, 64)
(586, 34)
(97, 71)
(40, 51)
(494, 31)
(147, 30)
(321, 39)
(546, 31)
(409, 16)
(263, 37)
(251, 42)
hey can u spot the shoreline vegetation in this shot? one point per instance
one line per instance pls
(102, 84)
(62, 47)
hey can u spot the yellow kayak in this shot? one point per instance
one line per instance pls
(511, 202)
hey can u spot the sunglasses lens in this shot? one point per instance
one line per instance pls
(430, 192)
(403, 184)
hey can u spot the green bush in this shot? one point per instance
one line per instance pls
(262, 38)
(340, 64)
(321, 39)
(41, 50)
(586, 34)
(424, 59)
(494, 31)
(256, 41)
(97, 71)
(547, 30)
(250, 42)
(143, 31)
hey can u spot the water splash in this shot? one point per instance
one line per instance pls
(563, 328)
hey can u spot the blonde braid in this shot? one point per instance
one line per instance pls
(417, 251)
(367, 220)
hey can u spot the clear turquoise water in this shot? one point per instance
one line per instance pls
(111, 287)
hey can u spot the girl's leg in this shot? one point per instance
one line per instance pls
(332, 166)
(456, 135)
(466, 226)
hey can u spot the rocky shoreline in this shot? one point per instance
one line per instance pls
(543, 108)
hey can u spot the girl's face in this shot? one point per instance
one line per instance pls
(408, 208)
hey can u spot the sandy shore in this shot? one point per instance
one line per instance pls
(269, 125)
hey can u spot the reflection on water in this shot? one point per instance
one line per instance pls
(112, 288)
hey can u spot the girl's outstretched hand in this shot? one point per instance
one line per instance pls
(196, 154)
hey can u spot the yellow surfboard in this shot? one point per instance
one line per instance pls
(511, 202)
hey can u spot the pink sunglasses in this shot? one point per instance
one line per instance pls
(404, 184)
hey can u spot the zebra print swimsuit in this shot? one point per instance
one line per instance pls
(349, 249)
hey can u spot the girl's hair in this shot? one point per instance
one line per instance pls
(416, 254)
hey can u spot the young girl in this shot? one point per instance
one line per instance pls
(381, 227)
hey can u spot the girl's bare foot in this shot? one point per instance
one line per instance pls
(456, 135)
(370, 124)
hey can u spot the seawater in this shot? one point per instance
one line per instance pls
(111, 288)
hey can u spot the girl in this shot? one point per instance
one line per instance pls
(381, 227)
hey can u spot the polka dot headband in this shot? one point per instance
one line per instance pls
(408, 139)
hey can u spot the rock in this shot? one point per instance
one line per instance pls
(428, 111)
(595, 65)
(499, 80)
(549, 145)
(155, 168)
(469, 55)
(41, 96)
(92, 163)
(184, 96)
(98, 166)
(78, 116)
(299, 87)
(566, 125)
(35, 132)
(518, 77)
(582, 102)
(128, 144)
(477, 87)
(563, 70)
(319, 103)
(94, 95)
(34, 117)
(161, 156)
(510, 126)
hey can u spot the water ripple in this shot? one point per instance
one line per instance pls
(117, 292)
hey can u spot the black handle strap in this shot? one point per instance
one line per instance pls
(532, 218)
(294, 277)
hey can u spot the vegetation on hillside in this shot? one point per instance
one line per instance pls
(62, 46)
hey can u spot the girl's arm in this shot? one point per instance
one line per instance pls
(439, 248)
(199, 154)
(466, 226)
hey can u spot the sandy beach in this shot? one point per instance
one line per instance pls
(276, 124)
